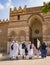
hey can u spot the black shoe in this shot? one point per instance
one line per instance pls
(30, 57)
(17, 58)
(10, 58)
(23, 57)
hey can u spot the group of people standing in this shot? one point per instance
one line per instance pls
(27, 50)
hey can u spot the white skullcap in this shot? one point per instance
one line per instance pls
(23, 41)
(13, 41)
(16, 41)
(29, 41)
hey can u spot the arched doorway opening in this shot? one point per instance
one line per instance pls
(35, 27)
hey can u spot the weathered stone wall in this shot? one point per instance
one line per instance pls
(15, 26)
(46, 28)
(20, 21)
(3, 35)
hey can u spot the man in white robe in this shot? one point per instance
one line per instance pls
(14, 51)
(30, 50)
(38, 47)
(38, 43)
(22, 50)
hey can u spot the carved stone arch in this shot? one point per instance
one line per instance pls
(35, 23)
(34, 16)
(22, 35)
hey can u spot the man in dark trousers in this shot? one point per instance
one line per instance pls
(43, 50)
(22, 49)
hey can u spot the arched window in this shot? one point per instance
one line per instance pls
(12, 35)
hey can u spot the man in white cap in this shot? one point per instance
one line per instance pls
(22, 49)
(30, 50)
(14, 50)
(38, 43)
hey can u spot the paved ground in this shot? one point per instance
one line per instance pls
(34, 61)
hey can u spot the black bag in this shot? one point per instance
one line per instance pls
(12, 47)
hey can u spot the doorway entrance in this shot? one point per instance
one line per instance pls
(34, 40)
(36, 31)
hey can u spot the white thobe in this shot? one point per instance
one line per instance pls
(30, 51)
(38, 43)
(22, 51)
(11, 51)
(16, 46)
(14, 52)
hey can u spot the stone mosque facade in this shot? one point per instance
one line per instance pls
(25, 24)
